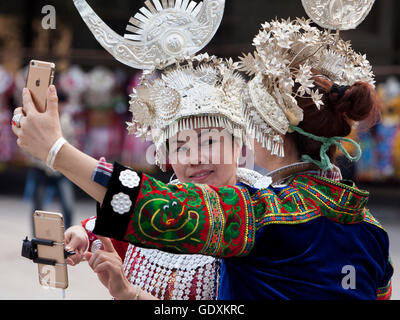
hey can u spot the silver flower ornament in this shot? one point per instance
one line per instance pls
(129, 178)
(121, 203)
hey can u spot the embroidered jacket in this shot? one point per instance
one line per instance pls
(293, 242)
(164, 275)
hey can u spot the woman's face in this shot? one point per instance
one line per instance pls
(206, 156)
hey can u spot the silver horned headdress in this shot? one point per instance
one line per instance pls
(288, 55)
(162, 31)
(191, 91)
(338, 14)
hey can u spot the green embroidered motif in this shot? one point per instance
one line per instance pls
(232, 232)
(190, 196)
(291, 206)
(191, 216)
(262, 202)
(259, 210)
(227, 234)
(229, 196)
(353, 201)
(168, 219)
(325, 190)
(146, 188)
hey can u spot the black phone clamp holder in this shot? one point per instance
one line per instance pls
(30, 250)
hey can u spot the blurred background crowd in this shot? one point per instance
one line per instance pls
(94, 109)
(94, 89)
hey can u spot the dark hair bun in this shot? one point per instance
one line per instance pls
(357, 103)
(341, 107)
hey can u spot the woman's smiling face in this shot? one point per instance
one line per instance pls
(206, 156)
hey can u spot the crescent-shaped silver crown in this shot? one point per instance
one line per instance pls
(162, 32)
(337, 14)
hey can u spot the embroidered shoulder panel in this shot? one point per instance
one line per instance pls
(284, 206)
(336, 201)
(193, 218)
(369, 218)
(307, 197)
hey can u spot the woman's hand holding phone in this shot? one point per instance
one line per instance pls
(38, 131)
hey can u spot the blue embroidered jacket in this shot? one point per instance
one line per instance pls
(320, 257)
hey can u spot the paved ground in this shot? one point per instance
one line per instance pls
(18, 276)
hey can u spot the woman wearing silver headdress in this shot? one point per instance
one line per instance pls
(190, 96)
(232, 222)
(200, 151)
(308, 88)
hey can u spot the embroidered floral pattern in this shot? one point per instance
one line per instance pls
(332, 199)
(191, 218)
(223, 221)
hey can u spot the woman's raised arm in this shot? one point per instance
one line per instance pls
(37, 133)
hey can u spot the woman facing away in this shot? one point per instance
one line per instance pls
(309, 126)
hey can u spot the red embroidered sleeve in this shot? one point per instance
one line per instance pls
(184, 218)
